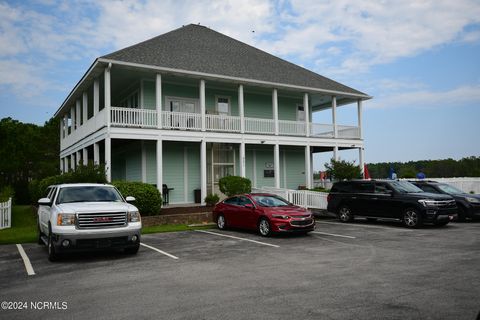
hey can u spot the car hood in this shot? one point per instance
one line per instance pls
(290, 210)
(427, 195)
(95, 207)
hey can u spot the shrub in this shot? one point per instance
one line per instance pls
(6, 193)
(82, 174)
(148, 198)
(233, 185)
(212, 199)
(343, 170)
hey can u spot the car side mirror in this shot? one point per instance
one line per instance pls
(45, 202)
(130, 199)
(249, 206)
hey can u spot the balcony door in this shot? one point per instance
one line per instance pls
(300, 113)
(177, 104)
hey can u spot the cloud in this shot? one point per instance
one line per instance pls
(460, 96)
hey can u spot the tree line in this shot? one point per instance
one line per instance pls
(27, 152)
(445, 168)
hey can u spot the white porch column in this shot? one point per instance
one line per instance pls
(85, 107)
(203, 170)
(65, 164)
(73, 116)
(158, 101)
(308, 168)
(62, 123)
(108, 158)
(242, 159)
(96, 96)
(202, 106)
(61, 166)
(359, 113)
(361, 161)
(78, 117)
(85, 156)
(275, 110)
(334, 116)
(72, 161)
(306, 107)
(96, 154)
(144, 162)
(241, 109)
(108, 101)
(276, 164)
(77, 158)
(160, 165)
(335, 153)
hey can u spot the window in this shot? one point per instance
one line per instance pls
(232, 200)
(223, 105)
(88, 194)
(381, 188)
(428, 189)
(243, 201)
(363, 187)
(270, 201)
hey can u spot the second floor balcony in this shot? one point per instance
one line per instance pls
(146, 118)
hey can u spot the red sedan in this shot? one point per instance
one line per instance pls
(266, 213)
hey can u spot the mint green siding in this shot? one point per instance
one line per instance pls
(149, 95)
(258, 106)
(263, 158)
(294, 168)
(151, 161)
(173, 170)
(287, 108)
(177, 90)
(193, 167)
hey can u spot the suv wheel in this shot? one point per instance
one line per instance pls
(345, 214)
(411, 218)
(221, 222)
(462, 214)
(264, 227)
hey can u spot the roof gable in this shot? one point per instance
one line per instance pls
(200, 49)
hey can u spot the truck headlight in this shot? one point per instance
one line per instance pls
(134, 216)
(65, 219)
(472, 200)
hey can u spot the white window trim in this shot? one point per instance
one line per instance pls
(167, 99)
(229, 103)
(296, 111)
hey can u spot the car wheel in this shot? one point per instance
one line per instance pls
(461, 214)
(132, 250)
(221, 222)
(52, 254)
(264, 227)
(345, 214)
(411, 218)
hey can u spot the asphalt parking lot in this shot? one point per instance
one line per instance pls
(342, 271)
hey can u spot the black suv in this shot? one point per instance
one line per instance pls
(468, 204)
(391, 199)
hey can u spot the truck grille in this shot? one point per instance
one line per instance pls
(445, 203)
(92, 220)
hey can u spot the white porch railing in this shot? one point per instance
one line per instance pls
(6, 214)
(181, 120)
(260, 126)
(130, 117)
(291, 128)
(348, 132)
(321, 130)
(302, 198)
(222, 123)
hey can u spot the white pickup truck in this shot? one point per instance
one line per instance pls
(82, 217)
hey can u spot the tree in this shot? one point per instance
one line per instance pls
(343, 170)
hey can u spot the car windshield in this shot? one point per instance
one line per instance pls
(405, 187)
(449, 189)
(88, 194)
(270, 201)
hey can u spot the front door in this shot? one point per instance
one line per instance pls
(300, 113)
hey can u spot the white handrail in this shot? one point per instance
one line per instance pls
(222, 123)
(6, 214)
(181, 120)
(131, 117)
(349, 132)
(259, 125)
(291, 128)
(321, 130)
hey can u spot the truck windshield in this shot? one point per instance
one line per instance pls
(88, 194)
(449, 189)
(404, 187)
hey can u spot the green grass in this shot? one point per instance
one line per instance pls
(24, 226)
(173, 228)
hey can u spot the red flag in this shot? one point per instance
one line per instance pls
(366, 174)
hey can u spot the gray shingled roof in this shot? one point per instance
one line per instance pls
(200, 49)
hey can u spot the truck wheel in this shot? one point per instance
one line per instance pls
(132, 250)
(345, 214)
(411, 218)
(40, 234)
(52, 255)
(461, 214)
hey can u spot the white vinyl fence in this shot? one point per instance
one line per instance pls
(302, 198)
(6, 214)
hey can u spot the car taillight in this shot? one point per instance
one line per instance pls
(329, 197)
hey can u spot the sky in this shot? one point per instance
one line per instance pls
(420, 60)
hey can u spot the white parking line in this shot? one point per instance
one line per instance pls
(238, 238)
(333, 235)
(159, 251)
(26, 260)
(364, 226)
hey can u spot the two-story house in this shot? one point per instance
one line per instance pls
(193, 105)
